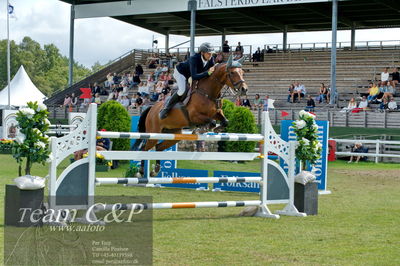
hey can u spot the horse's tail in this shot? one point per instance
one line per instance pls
(141, 128)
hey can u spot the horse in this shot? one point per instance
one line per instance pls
(203, 108)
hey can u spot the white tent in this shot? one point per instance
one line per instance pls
(22, 90)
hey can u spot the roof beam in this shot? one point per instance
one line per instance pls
(394, 5)
(322, 12)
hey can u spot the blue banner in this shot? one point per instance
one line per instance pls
(241, 187)
(321, 166)
(176, 172)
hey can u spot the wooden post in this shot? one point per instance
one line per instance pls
(384, 119)
(377, 152)
(365, 119)
(346, 119)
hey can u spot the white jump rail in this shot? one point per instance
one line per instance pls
(79, 178)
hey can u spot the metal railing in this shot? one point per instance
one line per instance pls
(379, 147)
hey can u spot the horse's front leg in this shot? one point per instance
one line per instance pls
(224, 122)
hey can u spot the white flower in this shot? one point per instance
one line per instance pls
(37, 131)
(47, 121)
(51, 158)
(20, 138)
(306, 141)
(27, 112)
(300, 124)
(315, 127)
(40, 144)
(41, 107)
(302, 112)
(319, 145)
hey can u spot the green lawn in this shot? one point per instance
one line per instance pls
(358, 224)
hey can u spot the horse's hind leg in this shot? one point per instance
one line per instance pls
(221, 117)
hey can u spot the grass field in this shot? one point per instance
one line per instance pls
(358, 224)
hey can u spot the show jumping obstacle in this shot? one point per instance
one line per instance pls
(74, 188)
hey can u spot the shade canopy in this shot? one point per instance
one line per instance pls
(22, 90)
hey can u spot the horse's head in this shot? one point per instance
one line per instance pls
(235, 75)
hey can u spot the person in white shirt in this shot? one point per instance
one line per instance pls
(124, 101)
(299, 92)
(385, 77)
(143, 89)
(392, 105)
(364, 103)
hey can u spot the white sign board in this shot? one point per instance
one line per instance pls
(216, 4)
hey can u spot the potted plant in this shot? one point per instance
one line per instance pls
(30, 146)
(102, 165)
(6, 146)
(308, 151)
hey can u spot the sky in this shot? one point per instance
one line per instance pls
(104, 39)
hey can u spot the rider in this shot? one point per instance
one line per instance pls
(198, 66)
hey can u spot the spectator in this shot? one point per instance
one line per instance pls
(290, 93)
(310, 104)
(395, 77)
(265, 103)
(357, 148)
(67, 101)
(143, 89)
(124, 101)
(109, 82)
(269, 50)
(74, 100)
(384, 77)
(373, 93)
(238, 101)
(225, 47)
(139, 69)
(239, 50)
(352, 104)
(257, 56)
(246, 102)
(257, 104)
(299, 92)
(384, 102)
(136, 80)
(97, 99)
(392, 105)
(116, 79)
(322, 94)
(96, 89)
(363, 104)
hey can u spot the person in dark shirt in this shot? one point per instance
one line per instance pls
(395, 77)
(246, 103)
(310, 104)
(257, 55)
(225, 47)
(139, 69)
(199, 66)
(269, 50)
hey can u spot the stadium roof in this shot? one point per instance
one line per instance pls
(214, 17)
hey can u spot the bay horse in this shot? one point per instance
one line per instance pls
(203, 108)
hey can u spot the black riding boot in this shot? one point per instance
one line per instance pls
(171, 101)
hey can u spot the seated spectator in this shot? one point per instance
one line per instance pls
(392, 105)
(257, 103)
(373, 93)
(109, 82)
(152, 62)
(310, 104)
(116, 79)
(352, 104)
(67, 101)
(385, 76)
(124, 101)
(164, 68)
(96, 89)
(299, 92)
(322, 93)
(238, 101)
(384, 102)
(363, 104)
(139, 69)
(225, 47)
(74, 100)
(290, 93)
(151, 79)
(143, 89)
(395, 77)
(246, 102)
(265, 103)
(358, 148)
(163, 76)
(97, 99)
(269, 50)
(239, 51)
(139, 102)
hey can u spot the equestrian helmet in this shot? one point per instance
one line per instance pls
(206, 48)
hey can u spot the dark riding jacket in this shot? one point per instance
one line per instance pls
(194, 67)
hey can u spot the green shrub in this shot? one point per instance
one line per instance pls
(242, 121)
(112, 116)
(228, 107)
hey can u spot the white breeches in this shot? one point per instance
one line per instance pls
(181, 81)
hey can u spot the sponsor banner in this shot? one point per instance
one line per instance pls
(321, 166)
(217, 4)
(176, 172)
(241, 187)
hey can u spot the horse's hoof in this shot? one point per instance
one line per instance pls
(138, 175)
(157, 168)
(224, 123)
(218, 129)
(153, 174)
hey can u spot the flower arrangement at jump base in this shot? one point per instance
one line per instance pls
(308, 147)
(6, 146)
(102, 164)
(31, 144)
